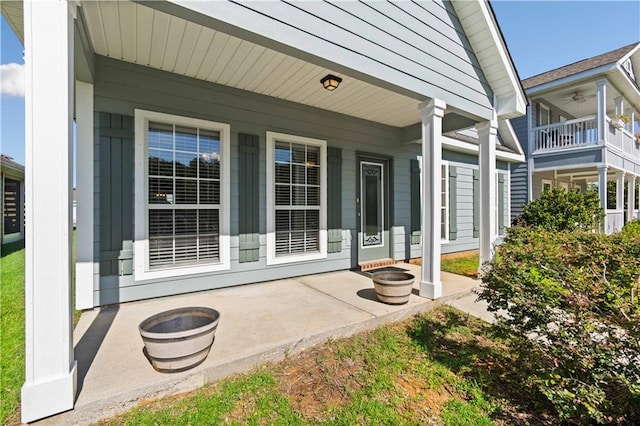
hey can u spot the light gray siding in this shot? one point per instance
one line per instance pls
(582, 158)
(122, 87)
(418, 48)
(520, 171)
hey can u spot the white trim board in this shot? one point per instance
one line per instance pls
(141, 244)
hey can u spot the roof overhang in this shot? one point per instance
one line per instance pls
(613, 72)
(489, 46)
(477, 19)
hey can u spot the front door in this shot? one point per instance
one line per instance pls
(373, 208)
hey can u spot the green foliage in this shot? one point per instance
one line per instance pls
(561, 210)
(11, 330)
(632, 228)
(571, 298)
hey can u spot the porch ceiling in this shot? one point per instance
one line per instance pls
(138, 34)
(562, 98)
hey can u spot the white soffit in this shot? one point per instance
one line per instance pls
(135, 33)
(488, 45)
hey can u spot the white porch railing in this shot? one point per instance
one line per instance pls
(568, 134)
(614, 221)
(623, 140)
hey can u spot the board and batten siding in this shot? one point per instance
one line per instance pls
(123, 87)
(418, 48)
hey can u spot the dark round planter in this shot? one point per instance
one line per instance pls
(393, 288)
(179, 339)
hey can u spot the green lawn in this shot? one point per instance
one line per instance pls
(11, 330)
(465, 265)
(442, 367)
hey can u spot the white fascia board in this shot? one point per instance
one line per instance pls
(469, 148)
(509, 136)
(634, 87)
(628, 55)
(515, 102)
(570, 79)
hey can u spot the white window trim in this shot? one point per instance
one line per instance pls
(447, 207)
(546, 108)
(272, 137)
(141, 244)
(543, 182)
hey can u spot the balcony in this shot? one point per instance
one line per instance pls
(581, 132)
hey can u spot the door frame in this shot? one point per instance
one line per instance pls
(387, 162)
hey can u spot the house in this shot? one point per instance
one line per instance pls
(12, 200)
(224, 143)
(575, 136)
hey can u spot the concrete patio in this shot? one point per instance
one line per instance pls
(259, 323)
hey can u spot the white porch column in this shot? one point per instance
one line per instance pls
(602, 191)
(432, 112)
(530, 163)
(620, 191)
(85, 263)
(601, 118)
(50, 373)
(487, 134)
(631, 198)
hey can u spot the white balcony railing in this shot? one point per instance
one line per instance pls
(623, 140)
(614, 221)
(568, 134)
(581, 132)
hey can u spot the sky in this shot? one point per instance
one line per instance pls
(540, 35)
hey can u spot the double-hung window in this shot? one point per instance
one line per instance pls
(182, 195)
(296, 198)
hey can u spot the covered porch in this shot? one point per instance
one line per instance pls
(619, 191)
(124, 70)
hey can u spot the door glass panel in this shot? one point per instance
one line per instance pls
(372, 208)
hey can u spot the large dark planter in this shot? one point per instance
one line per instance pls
(179, 339)
(393, 288)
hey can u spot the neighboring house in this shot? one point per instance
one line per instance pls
(12, 201)
(574, 137)
(209, 154)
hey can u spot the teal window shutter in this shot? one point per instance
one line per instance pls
(476, 203)
(334, 199)
(116, 193)
(415, 202)
(500, 204)
(249, 221)
(453, 203)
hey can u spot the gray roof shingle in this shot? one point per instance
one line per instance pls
(577, 67)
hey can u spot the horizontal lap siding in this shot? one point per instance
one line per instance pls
(520, 171)
(121, 87)
(419, 47)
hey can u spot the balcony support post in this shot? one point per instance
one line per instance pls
(601, 118)
(631, 198)
(620, 191)
(602, 191)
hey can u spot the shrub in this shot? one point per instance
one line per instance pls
(561, 210)
(568, 298)
(632, 228)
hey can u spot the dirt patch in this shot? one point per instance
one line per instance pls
(317, 379)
